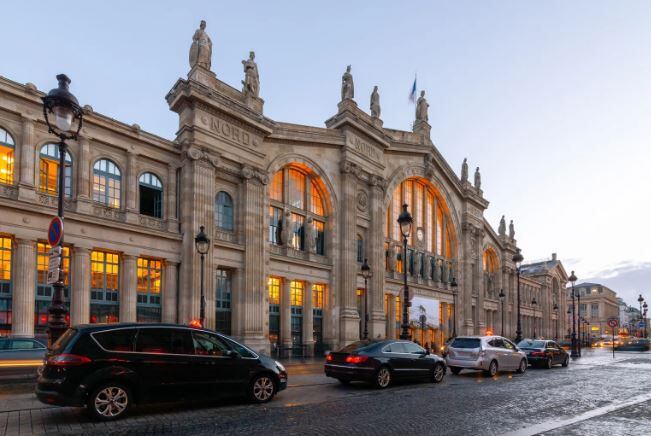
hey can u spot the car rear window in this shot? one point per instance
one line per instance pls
(64, 340)
(116, 340)
(358, 346)
(465, 343)
(531, 344)
(164, 340)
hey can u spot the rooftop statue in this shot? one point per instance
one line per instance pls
(201, 49)
(464, 170)
(502, 228)
(375, 103)
(421, 108)
(251, 80)
(347, 86)
(477, 179)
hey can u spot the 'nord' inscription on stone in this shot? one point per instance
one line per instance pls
(364, 148)
(229, 131)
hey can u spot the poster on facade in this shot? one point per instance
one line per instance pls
(427, 307)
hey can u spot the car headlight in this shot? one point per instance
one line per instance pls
(280, 366)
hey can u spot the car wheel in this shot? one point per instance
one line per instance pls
(344, 381)
(492, 369)
(438, 373)
(455, 370)
(383, 377)
(523, 366)
(566, 361)
(109, 401)
(549, 363)
(262, 389)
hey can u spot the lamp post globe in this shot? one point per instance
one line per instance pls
(517, 260)
(366, 273)
(405, 221)
(64, 119)
(202, 243)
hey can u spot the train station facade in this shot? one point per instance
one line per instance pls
(291, 210)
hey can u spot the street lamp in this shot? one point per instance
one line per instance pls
(641, 300)
(586, 333)
(578, 307)
(533, 304)
(517, 259)
(454, 285)
(556, 312)
(366, 273)
(202, 243)
(64, 107)
(502, 296)
(405, 220)
(645, 306)
(574, 353)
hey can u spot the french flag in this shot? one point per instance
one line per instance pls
(412, 94)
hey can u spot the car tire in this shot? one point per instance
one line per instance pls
(492, 369)
(523, 367)
(109, 401)
(549, 364)
(383, 377)
(438, 373)
(566, 362)
(455, 370)
(262, 388)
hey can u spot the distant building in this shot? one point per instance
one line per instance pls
(598, 303)
(628, 315)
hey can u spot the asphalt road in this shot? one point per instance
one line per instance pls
(594, 396)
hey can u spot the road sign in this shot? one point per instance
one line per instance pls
(55, 231)
(641, 324)
(613, 322)
(53, 269)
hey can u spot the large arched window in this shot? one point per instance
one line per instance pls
(297, 189)
(224, 211)
(107, 183)
(151, 195)
(49, 171)
(432, 238)
(7, 147)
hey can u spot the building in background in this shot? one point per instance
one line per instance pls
(598, 303)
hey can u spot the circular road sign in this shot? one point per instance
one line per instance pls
(613, 322)
(55, 231)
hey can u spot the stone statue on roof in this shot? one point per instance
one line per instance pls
(477, 179)
(511, 230)
(502, 229)
(201, 48)
(464, 170)
(375, 103)
(347, 86)
(421, 108)
(251, 80)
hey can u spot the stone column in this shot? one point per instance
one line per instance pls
(285, 313)
(81, 176)
(391, 317)
(444, 321)
(479, 280)
(26, 181)
(464, 299)
(308, 319)
(170, 206)
(24, 279)
(80, 289)
(131, 187)
(128, 293)
(349, 318)
(170, 287)
(375, 253)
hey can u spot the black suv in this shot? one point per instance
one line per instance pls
(109, 367)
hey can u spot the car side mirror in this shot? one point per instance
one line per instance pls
(233, 354)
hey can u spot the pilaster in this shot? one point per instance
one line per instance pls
(285, 313)
(26, 187)
(308, 319)
(128, 292)
(24, 279)
(170, 289)
(170, 206)
(349, 320)
(80, 291)
(377, 327)
(82, 171)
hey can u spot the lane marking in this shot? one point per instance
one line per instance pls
(599, 411)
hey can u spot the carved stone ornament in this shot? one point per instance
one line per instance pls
(362, 201)
(249, 172)
(378, 181)
(195, 153)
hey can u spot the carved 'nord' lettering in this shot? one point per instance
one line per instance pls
(228, 131)
(364, 148)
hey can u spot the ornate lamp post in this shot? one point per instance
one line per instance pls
(556, 312)
(454, 285)
(502, 296)
(517, 259)
(646, 307)
(640, 300)
(405, 220)
(578, 320)
(586, 333)
(202, 243)
(534, 303)
(366, 273)
(574, 353)
(64, 107)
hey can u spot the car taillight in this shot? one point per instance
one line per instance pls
(356, 359)
(329, 358)
(68, 360)
(538, 354)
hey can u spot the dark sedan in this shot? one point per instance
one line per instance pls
(380, 362)
(544, 353)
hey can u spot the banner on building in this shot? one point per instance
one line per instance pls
(425, 310)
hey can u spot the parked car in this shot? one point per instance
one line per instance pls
(633, 344)
(110, 367)
(544, 353)
(381, 362)
(487, 353)
(20, 357)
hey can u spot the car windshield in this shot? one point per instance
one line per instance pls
(528, 343)
(358, 346)
(465, 343)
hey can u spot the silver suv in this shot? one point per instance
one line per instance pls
(487, 353)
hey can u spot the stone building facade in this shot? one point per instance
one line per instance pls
(598, 303)
(291, 212)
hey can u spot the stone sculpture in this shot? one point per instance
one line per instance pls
(375, 103)
(251, 80)
(347, 86)
(511, 230)
(310, 236)
(286, 228)
(502, 228)
(427, 264)
(464, 170)
(477, 179)
(201, 49)
(417, 264)
(421, 108)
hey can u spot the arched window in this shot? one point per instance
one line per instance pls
(297, 189)
(49, 171)
(7, 146)
(151, 195)
(224, 211)
(360, 249)
(107, 183)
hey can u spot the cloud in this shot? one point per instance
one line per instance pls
(628, 279)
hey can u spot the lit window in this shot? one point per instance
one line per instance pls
(151, 195)
(276, 186)
(44, 290)
(316, 206)
(318, 291)
(275, 219)
(273, 286)
(296, 188)
(296, 293)
(274, 290)
(224, 211)
(5, 282)
(148, 285)
(107, 183)
(223, 301)
(298, 232)
(7, 147)
(104, 284)
(49, 171)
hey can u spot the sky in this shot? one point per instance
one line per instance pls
(552, 100)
